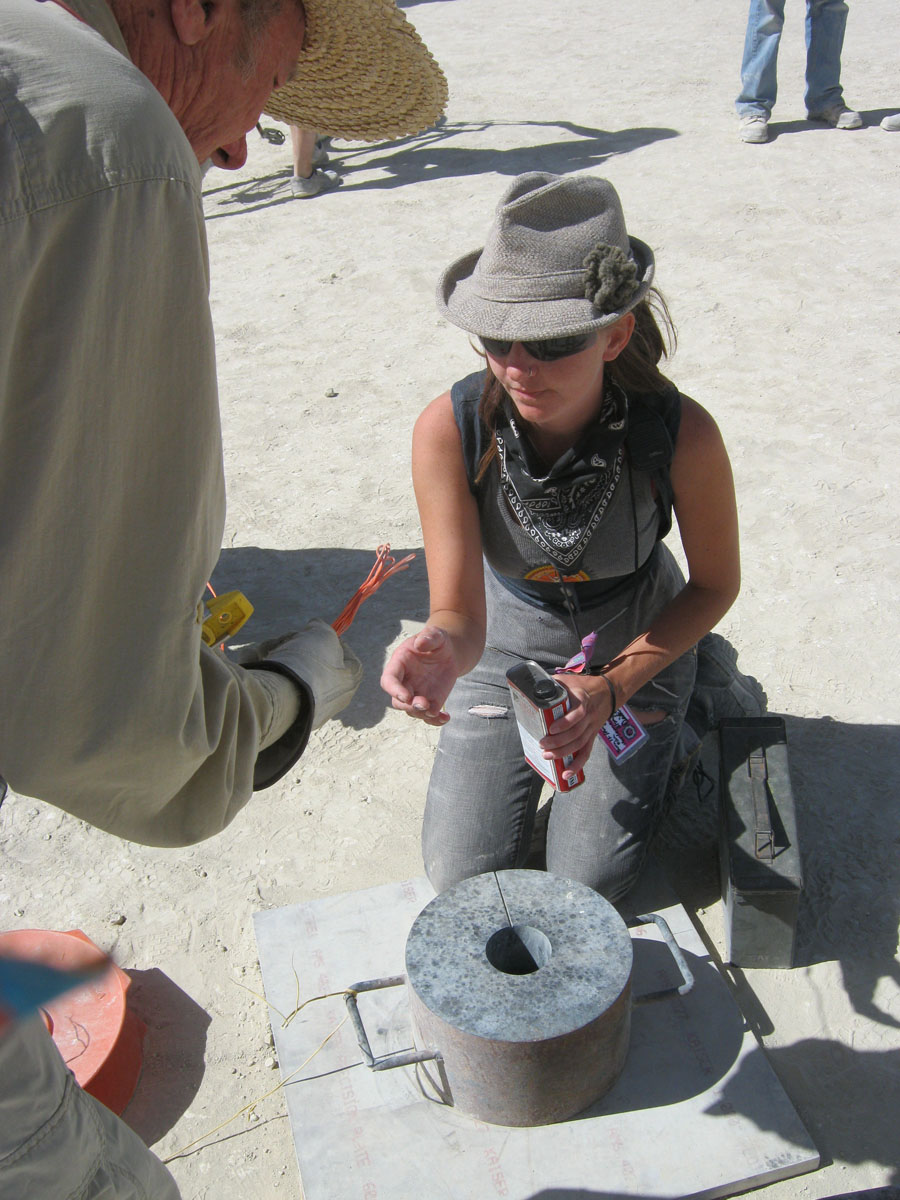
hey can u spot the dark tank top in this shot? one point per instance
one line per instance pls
(620, 514)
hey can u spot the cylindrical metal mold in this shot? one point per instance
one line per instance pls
(521, 981)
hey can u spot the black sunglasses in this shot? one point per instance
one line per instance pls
(548, 350)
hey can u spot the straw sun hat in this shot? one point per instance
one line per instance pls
(363, 74)
(557, 261)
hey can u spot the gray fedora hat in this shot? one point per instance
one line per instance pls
(557, 261)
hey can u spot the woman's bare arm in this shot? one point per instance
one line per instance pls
(423, 669)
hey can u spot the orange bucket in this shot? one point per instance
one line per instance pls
(99, 1039)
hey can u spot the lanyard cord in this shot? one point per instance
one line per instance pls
(570, 599)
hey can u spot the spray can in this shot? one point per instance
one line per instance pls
(539, 700)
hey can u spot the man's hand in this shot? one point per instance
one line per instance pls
(325, 664)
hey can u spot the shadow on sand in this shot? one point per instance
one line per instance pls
(845, 779)
(871, 117)
(432, 155)
(173, 1053)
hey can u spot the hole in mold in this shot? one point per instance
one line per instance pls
(518, 950)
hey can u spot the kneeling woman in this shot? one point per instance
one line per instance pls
(544, 484)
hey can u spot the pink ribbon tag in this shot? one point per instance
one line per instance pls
(581, 661)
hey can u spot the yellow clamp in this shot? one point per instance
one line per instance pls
(227, 613)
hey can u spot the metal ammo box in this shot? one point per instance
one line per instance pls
(759, 855)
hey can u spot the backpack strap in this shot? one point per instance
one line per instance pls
(653, 422)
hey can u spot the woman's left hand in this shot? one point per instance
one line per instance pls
(576, 732)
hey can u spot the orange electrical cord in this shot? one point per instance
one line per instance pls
(385, 566)
(212, 592)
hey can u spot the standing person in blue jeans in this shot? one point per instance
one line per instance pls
(542, 514)
(825, 24)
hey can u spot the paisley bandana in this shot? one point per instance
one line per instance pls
(561, 508)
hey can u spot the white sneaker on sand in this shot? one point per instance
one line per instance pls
(838, 115)
(754, 128)
(891, 123)
(319, 181)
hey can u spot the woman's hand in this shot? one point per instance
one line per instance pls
(420, 674)
(576, 732)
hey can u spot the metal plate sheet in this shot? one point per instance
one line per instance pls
(697, 1110)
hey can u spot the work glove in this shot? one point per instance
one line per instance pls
(326, 674)
(316, 659)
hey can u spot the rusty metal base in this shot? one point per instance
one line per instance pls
(697, 1110)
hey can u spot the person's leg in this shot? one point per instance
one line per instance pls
(599, 833)
(482, 795)
(758, 68)
(826, 21)
(303, 143)
(307, 180)
(56, 1141)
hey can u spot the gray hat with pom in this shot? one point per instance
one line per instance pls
(557, 261)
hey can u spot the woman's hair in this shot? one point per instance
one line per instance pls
(635, 370)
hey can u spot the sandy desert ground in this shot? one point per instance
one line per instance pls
(780, 263)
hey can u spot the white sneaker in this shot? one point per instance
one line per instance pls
(838, 115)
(319, 181)
(754, 128)
(891, 123)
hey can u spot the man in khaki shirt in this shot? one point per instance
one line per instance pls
(111, 480)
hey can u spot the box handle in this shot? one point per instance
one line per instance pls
(762, 816)
(402, 1058)
(687, 978)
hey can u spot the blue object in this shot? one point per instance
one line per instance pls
(25, 986)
